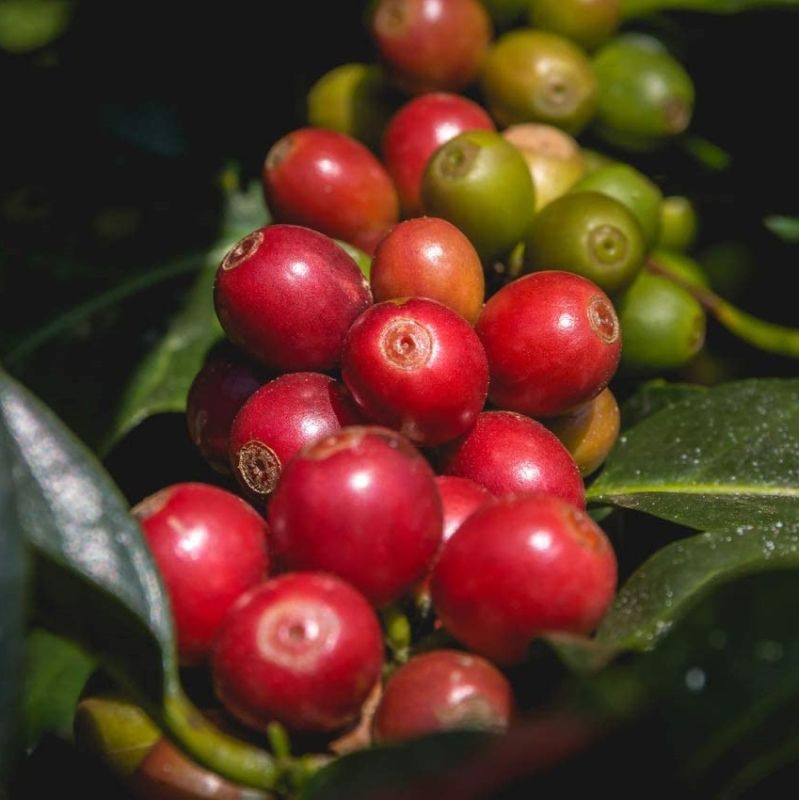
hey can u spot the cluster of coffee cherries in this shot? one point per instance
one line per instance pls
(415, 380)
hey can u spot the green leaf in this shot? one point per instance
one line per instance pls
(787, 228)
(96, 583)
(13, 582)
(638, 8)
(706, 152)
(57, 671)
(652, 397)
(161, 382)
(719, 460)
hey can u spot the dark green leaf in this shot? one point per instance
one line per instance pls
(13, 581)
(787, 228)
(161, 382)
(652, 397)
(722, 459)
(56, 672)
(707, 153)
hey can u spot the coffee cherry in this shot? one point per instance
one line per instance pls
(287, 296)
(352, 99)
(632, 189)
(553, 341)
(536, 76)
(521, 567)
(331, 183)
(507, 452)
(363, 505)
(588, 234)
(482, 184)
(587, 22)
(589, 431)
(210, 547)
(681, 266)
(664, 325)
(555, 159)
(304, 649)
(678, 224)
(431, 45)
(460, 498)
(280, 419)
(645, 95)
(443, 690)
(415, 132)
(217, 393)
(418, 367)
(429, 257)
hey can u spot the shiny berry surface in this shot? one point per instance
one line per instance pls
(363, 505)
(281, 418)
(553, 341)
(332, 183)
(523, 566)
(287, 296)
(210, 547)
(304, 649)
(416, 366)
(460, 498)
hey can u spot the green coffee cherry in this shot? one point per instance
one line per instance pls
(537, 76)
(682, 266)
(663, 325)
(353, 99)
(481, 183)
(587, 22)
(595, 160)
(645, 95)
(362, 259)
(590, 234)
(633, 190)
(678, 223)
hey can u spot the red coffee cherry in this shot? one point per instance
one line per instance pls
(304, 649)
(217, 393)
(508, 452)
(460, 498)
(280, 419)
(210, 547)
(330, 182)
(429, 45)
(287, 295)
(429, 257)
(443, 690)
(363, 505)
(417, 130)
(553, 341)
(521, 567)
(418, 367)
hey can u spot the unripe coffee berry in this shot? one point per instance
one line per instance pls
(304, 649)
(281, 418)
(507, 453)
(418, 367)
(524, 566)
(553, 341)
(415, 132)
(443, 690)
(361, 504)
(210, 547)
(287, 295)
(332, 183)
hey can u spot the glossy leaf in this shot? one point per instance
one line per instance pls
(56, 672)
(787, 228)
(654, 396)
(719, 460)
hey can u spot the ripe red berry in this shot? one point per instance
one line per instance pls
(361, 504)
(417, 130)
(304, 649)
(418, 367)
(460, 498)
(553, 341)
(429, 257)
(210, 547)
(429, 45)
(217, 393)
(521, 567)
(443, 690)
(287, 295)
(280, 419)
(332, 183)
(508, 452)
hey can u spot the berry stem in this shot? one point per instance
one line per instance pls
(767, 336)
(398, 633)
